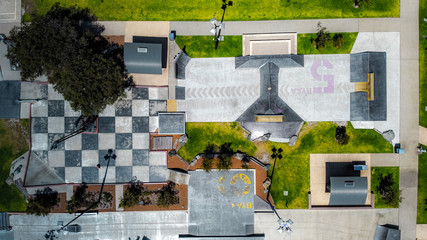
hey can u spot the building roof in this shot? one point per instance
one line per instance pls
(143, 58)
(386, 233)
(155, 40)
(348, 191)
(9, 93)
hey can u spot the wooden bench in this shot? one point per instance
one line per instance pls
(366, 87)
(269, 118)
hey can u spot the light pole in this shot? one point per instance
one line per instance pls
(216, 28)
(51, 233)
(283, 225)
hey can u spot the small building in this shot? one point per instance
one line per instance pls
(348, 191)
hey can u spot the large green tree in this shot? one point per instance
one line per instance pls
(66, 45)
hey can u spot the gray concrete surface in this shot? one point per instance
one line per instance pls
(156, 225)
(326, 224)
(10, 11)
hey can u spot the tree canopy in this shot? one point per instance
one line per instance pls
(42, 202)
(66, 45)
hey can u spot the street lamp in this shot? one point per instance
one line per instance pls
(51, 234)
(216, 28)
(283, 225)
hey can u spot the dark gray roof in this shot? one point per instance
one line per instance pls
(282, 61)
(348, 191)
(179, 93)
(10, 92)
(4, 221)
(360, 65)
(269, 102)
(143, 58)
(341, 169)
(217, 205)
(180, 63)
(155, 40)
(171, 123)
(386, 233)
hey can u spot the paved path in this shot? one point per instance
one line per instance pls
(300, 26)
(409, 116)
(422, 135)
(421, 231)
(156, 225)
(326, 224)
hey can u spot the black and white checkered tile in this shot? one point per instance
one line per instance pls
(124, 127)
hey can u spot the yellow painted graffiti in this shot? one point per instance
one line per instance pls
(240, 176)
(242, 205)
(234, 180)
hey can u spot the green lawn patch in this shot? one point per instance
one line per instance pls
(292, 173)
(202, 10)
(376, 172)
(13, 143)
(305, 45)
(423, 64)
(200, 134)
(204, 46)
(422, 189)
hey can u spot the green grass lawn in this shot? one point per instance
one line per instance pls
(202, 10)
(200, 134)
(422, 189)
(375, 174)
(292, 173)
(306, 47)
(12, 144)
(423, 64)
(204, 46)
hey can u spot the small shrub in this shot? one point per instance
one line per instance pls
(132, 196)
(167, 196)
(78, 200)
(42, 202)
(224, 158)
(341, 135)
(323, 37)
(389, 193)
(338, 40)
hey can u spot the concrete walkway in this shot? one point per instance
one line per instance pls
(326, 224)
(156, 225)
(409, 116)
(422, 135)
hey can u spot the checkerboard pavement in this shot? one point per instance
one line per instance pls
(123, 127)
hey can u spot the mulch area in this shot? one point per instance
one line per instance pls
(116, 39)
(182, 196)
(107, 188)
(60, 207)
(174, 162)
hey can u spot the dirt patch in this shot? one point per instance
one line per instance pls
(116, 39)
(60, 207)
